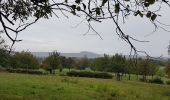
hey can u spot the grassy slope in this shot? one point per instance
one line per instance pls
(33, 87)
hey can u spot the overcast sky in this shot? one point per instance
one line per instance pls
(61, 35)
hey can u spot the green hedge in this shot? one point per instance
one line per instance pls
(156, 80)
(29, 71)
(168, 82)
(90, 74)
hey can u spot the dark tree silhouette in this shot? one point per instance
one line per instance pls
(15, 15)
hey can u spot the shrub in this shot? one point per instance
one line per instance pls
(156, 80)
(2, 69)
(90, 74)
(168, 82)
(29, 71)
(142, 80)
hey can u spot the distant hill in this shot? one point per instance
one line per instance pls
(76, 55)
(89, 55)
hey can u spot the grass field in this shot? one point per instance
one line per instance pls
(55, 87)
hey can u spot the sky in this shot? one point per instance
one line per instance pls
(61, 34)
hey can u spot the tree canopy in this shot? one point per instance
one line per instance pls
(15, 15)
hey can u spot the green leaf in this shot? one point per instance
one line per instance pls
(103, 2)
(66, 1)
(150, 1)
(117, 8)
(153, 17)
(141, 15)
(78, 1)
(136, 13)
(73, 12)
(98, 11)
(146, 4)
(73, 7)
(148, 15)
(78, 8)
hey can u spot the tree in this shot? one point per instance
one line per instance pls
(153, 69)
(4, 58)
(167, 69)
(82, 63)
(147, 67)
(24, 60)
(118, 63)
(101, 64)
(4, 55)
(19, 12)
(69, 63)
(129, 67)
(52, 62)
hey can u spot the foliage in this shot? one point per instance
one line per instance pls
(82, 63)
(161, 72)
(24, 60)
(4, 55)
(90, 74)
(101, 64)
(26, 71)
(52, 62)
(168, 82)
(156, 80)
(4, 58)
(19, 12)
(167, 69)
(69, 63)
(144, 68)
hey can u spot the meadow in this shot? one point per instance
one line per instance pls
(55, 87)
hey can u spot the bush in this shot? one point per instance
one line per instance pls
(90, 74)
(156, 80)
(168, 82)
(29, 71)
(2, 69)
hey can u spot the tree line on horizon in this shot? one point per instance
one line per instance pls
(117, 64)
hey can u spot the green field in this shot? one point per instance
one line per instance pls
(55, 87)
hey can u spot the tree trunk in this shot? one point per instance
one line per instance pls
(60, 69)
(137, 76)
(118, 76)
(129, 76)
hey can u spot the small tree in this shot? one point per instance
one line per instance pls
(52, 61)
(144, 68)
(167, 69)
(4, 55)
(69, 63)
(82, 63)
(4, 58)
(153, 69)
(118, 63)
